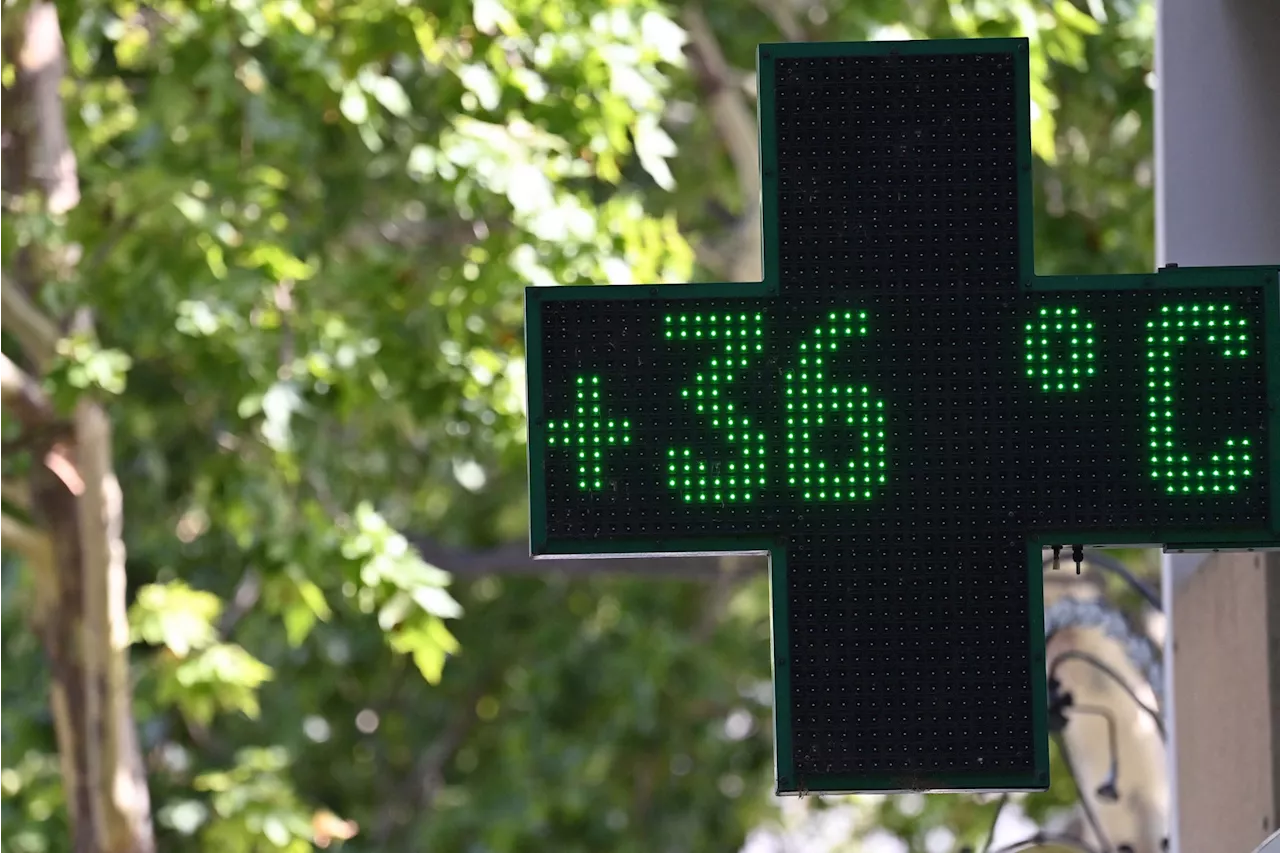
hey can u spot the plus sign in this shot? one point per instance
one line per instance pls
(903, 415)
(590, 432)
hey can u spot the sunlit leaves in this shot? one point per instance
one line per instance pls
(197, 674)
(219, 678)
(83, 363)
(387, 91)
(279, 262)
(299, 600)
(31, 788)
(251, 802)
(653, 147)
(355, 109)
(414, 601)
(428, 642)
(175, 616)
(279, 404)
(490, 16)
(309, 225)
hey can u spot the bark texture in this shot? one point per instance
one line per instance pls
(72, 542)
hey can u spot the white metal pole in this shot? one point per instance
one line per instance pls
(1217, 201)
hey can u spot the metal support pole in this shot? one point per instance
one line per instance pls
(1218, 202)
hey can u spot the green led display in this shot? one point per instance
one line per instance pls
(1060, 349)
(590, 433)
(1060, 354)
(904, 415)
(1174, 468)
(738, 337)
(816, 403)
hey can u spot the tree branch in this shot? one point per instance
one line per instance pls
(41, 62)
(243, 599)
(21, 393)
(783, 15)
(429, 771)
(735, 124)
(17, 493)
(35, 332)
(118, 768)
(514, 560)
(25, 540)
(80, 613)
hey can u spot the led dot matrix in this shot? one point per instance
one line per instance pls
(816, 403)
(1060, 331)
(893, 668)
(738, 337)
(590, 432)
(1217, 324)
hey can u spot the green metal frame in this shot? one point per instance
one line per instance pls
(1267, 277)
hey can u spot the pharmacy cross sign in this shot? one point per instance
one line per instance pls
(903, 415)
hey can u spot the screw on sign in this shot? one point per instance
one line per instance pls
(903, 415)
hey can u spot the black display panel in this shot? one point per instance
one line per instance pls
(902, 414)
(964, 415)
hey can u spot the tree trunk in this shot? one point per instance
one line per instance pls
(77, 559)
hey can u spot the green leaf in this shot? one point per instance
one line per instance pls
(175, 616)
(1068, 14)
(437, 602)
(397, 608)
(482, 83)
(653, 146)
(388, 92)
(491, 16)
(354, 106)
(222, 677)
(428, 643)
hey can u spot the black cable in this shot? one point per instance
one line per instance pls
(1090, 815)
(1042, 838)
(1115, 567)
(1111, 564)
(1106, 669)
(995, 818)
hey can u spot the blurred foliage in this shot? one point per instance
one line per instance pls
(304, 230)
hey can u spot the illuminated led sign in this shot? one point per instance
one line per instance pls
(902, 414)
